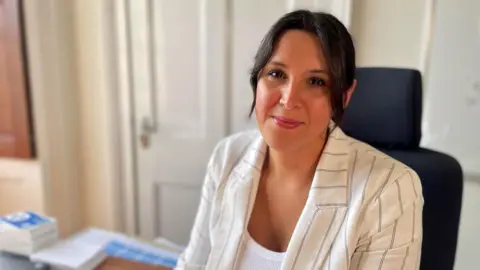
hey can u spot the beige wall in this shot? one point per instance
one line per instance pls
(390, 32)
(21, 186)
(100, 181)
(51, 57)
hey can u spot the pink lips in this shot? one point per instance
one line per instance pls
(286, 123)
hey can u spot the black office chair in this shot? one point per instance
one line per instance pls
(385, 111)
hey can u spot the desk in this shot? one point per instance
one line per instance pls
(119, 264)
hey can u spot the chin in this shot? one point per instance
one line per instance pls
(282, 140)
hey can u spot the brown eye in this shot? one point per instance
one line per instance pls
(317, 82)
(276, 74)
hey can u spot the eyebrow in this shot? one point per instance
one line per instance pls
(278, 63)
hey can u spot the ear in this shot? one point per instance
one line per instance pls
(349, 93)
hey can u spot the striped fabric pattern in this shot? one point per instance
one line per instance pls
(364, 209)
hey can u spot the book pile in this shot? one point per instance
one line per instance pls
(25, 233)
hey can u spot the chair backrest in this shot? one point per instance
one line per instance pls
(385, 112)
(386, 108)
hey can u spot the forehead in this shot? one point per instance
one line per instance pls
(301, 49)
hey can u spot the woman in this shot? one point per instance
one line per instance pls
(298, 193)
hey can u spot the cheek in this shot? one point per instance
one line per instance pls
(320, 113)
(266, 101)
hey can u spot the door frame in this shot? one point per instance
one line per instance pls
(114, 48)
(122, 57)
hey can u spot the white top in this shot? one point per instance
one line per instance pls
(257, 257)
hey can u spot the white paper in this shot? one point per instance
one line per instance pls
(74, 253)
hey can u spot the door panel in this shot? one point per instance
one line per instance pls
(169, 196)
(179, 91)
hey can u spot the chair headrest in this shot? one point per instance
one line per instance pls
(386, 108)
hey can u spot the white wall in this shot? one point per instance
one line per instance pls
(389, 32)
(452, 96)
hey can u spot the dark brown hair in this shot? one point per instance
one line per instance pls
(336, 44)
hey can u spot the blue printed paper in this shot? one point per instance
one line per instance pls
(24, 220)
(131, 253)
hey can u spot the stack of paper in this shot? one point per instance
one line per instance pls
(26, 232)
(71, 254)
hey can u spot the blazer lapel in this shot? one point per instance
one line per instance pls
(326, 207)
(239, 197)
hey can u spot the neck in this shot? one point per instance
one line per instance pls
(295, 166)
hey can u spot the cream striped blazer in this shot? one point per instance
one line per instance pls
(364, 209)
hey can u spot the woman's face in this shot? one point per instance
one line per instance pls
(293, 105)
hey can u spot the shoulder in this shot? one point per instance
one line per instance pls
(229, 150)
(385, 189)
(235, 145)
(377, 175)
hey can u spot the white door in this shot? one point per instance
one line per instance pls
(178, 85)
(190, 86)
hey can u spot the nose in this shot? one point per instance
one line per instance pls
(290, 96)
